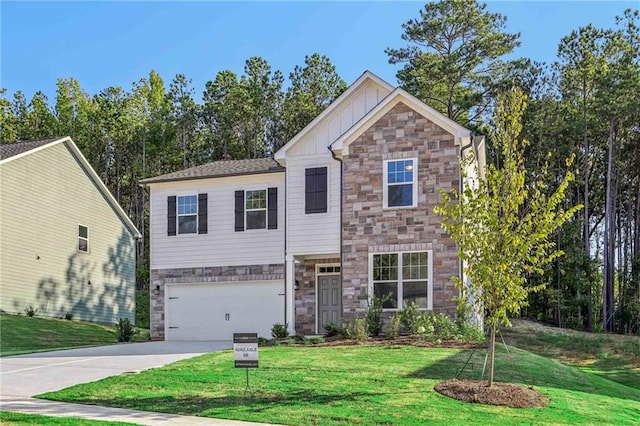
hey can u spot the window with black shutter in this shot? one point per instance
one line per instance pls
(315, 190)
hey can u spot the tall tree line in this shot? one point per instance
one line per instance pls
(149, 129)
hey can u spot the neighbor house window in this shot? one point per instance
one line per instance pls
(402, 278)
(188, 214)
(256, 209)
(83, 238)
(400, 183)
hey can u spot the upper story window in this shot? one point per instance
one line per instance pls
(315, 188)
(256, 209)
(402, 278)
(83, 238)
(188, 214)
(400, 183)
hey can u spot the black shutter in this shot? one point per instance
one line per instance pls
(171, 215)
(239, 211)
(315, 190)
(272, 208)
(202, 213)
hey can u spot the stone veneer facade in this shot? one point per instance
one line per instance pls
(160, 277)
(306, 296)
(369, 228)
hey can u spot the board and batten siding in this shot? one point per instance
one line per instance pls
(44, 197)
(319, 233)
(221, 245)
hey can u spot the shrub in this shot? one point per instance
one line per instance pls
(374, 316)
(333, 330)
(30, 311)
(125, 330)
(68, 316)
(142, 308)
(279, 331)
(314, 340)
(393, 329)
(409, 317)
(356, 329)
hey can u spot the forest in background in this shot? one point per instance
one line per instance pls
(586, 103)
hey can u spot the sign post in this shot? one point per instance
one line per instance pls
(245, 351)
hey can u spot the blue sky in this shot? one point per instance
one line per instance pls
(115, 43)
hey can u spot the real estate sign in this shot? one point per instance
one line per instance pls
(245, 350)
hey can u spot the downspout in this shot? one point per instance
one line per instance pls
(462, 149)
(285, 245)
(335, 157)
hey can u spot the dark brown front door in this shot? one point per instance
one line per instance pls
(329, 301)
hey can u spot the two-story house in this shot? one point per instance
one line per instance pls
(343, 212)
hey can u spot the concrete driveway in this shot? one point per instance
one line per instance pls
(33, 374)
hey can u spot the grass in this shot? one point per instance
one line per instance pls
(612, 356)
(361, 385)
(8, 418)
(22, 334)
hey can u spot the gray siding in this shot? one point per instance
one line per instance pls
(44, 196)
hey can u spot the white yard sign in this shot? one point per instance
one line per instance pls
(245, 350)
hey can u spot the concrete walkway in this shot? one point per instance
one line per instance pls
(23, 376)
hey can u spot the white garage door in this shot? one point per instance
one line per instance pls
(214, 311)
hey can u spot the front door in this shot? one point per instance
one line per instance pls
(329, 301)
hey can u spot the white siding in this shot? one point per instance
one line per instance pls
(44, 196)
(222, 245)
(318, 233)
(311, 234)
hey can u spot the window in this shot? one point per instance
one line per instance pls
(188, 214)
(400, 183)
(315, 187)
(403, 277)
(256, 209)
(83, 238)
(328, 269)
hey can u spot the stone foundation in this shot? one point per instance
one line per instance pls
(160, 277)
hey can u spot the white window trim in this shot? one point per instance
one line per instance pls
(400, 278)
(265, 209)
(324, 265)
(178, 215)
(82, 238)
(385, 184)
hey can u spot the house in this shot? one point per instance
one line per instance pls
(65, 243)
(343, 211)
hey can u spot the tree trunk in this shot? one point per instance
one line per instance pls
(492, 353)
(587, 242)
(609, 238)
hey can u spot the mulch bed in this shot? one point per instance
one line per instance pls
(398, 341)
(507, 394)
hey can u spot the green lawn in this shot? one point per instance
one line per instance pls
(361, 385)
(8, 418)
(22, 334)
(612, 356)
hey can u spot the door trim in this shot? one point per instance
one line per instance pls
(321, 274)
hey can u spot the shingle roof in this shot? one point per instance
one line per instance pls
(10, 149)
(221, 168)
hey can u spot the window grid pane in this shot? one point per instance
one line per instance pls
(256, 200)
(187, 205)
(410, 286)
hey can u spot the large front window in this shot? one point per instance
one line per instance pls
(400, 177)
(402, 278)
(256, 209)
(188, 214)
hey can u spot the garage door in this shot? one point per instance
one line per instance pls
(214, 311)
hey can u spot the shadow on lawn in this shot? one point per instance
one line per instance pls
(509, 367)
(253, 401)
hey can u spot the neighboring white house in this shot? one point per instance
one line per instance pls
(355, 195)
(65, 243)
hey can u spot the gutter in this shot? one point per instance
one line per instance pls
(284, 263)
(335, 157)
